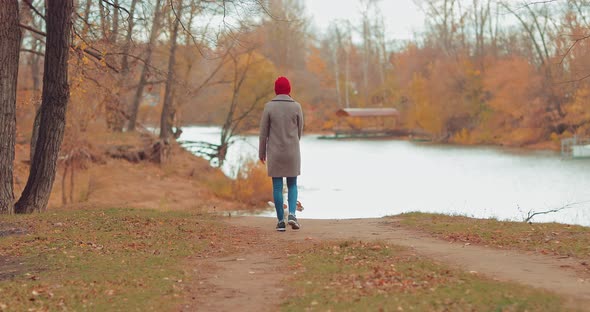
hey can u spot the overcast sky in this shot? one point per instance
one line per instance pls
(402, 17)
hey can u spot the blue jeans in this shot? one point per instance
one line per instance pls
(277, 192)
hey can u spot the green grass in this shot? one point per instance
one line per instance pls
(356, 276)
(114, 259)
(546, 238)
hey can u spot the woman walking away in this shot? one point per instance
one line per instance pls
(281, 128)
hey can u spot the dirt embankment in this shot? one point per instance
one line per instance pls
(182, 182)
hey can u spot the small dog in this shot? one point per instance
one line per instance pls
(299, 206)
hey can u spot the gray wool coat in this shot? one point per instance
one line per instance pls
(281, 128)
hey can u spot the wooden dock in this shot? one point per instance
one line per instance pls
(371, 123)
(365, 134)
(413, 135)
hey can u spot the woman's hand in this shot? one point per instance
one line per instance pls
(263, 160)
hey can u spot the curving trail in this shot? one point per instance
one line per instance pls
(252, 282)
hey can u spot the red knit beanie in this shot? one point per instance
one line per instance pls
(282, 86)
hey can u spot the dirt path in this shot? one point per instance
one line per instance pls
(252, 283)
(247, 283)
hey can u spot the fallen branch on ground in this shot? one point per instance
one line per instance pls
(531, 214)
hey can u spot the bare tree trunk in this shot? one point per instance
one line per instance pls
(541, 32)
(442, 17)
(337, 74)
(35, 73)
(72, 180)
(336, 48)
(167, 109)
(189, 61)
(366, 53)
(383, 59)
(53, 108)
(128, 36)
(115, 32)
(64, 198)
(232, 123)
(481, 14)
(494, 31)
(103, 20)
(35, 66)
(35, 134)
(144, 72)
(86, 18)
(10, 38)
(529, 31)
(117, 112)
(347, 71)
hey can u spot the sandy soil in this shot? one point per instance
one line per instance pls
(252, 281)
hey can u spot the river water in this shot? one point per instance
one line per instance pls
(375, 178)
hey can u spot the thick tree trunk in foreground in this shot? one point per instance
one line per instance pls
(53, 108)
(10, 39)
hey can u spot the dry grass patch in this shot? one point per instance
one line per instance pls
(105, 259)
(358, 276)
(545, 238)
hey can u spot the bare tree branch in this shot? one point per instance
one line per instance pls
(188, 31)
(118, 7)
(207, 80)
(238, 121)
(29, 3)
(528, 4)
(571, 47)
(96, 54)
(575, 80)
(531, 214)
(31, 29)
(32, 51)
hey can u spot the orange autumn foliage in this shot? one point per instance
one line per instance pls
(252, 185)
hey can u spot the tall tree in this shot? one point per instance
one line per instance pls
(55, 98)
(144, 72)
(530, 29)
(347, 79)
(117, 110)
(10, 38)
(104, 21)
(481, 15)
(115, 31)
(286, 34)
(441, 17)
(335, 46)
(250, 72)
(35, 17)
(167, 109)
(367, 45)
(128, 37)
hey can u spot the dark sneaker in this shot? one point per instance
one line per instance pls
(281, 226)
(293, 222)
